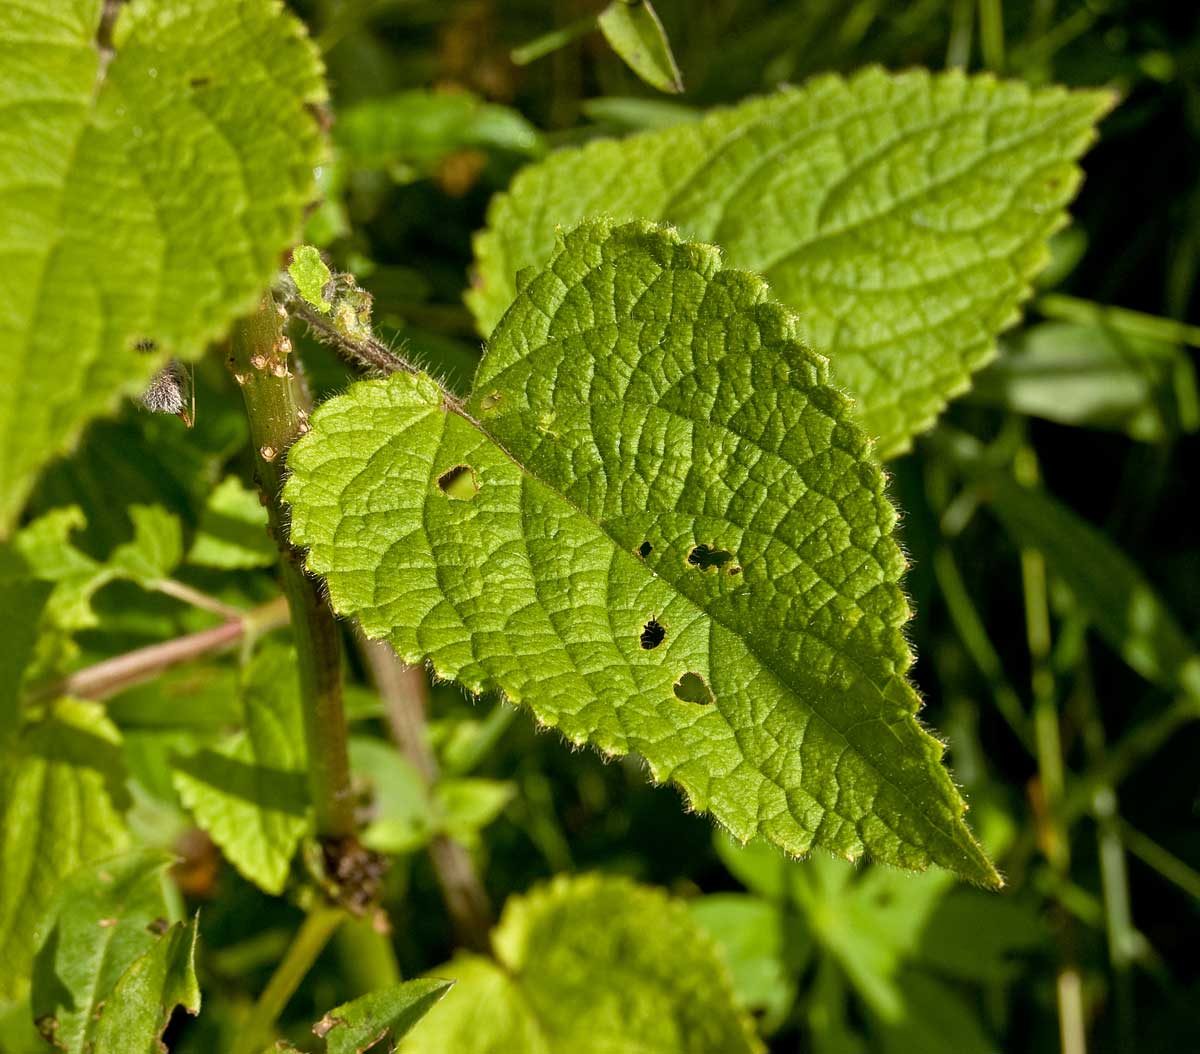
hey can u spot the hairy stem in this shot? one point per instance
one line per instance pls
(112, 676)
(314, 933)
(405, 697)
(277, 406)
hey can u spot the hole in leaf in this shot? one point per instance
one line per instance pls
(707, 556)
(692, 688)
(653, 634)
(459, 483)
(645, 549)
(490, 402)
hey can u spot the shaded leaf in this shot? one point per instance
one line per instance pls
(250, 793)
(139, 1009)
(61, 797)
(232, 532)
(905, 290)
(107, 916)
(1088, 375)
(633, 30)
(672, 539)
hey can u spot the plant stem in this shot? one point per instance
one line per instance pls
(405, 697)
(198, 599)
(112, 676)
(277, 407)
(1055, 838)
(314, 933)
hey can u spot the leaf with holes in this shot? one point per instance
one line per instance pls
(590, 965)
(672, 540)
(903, 216)
(387, 1013)
(170, 170)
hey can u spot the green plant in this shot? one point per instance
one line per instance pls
(234, 616)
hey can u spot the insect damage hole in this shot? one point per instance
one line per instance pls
(692, 688)
(707, 556)
(459, 483)
(653, 634)
(644, 550)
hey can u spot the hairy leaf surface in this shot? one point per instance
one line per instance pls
(588, 966)
(249, 793)
(61, 796)
(658, 526)
(146, 191)
(902, 216)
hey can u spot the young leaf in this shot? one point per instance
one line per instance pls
(388, 1013)
(107, 917)
(250, 793)
(401, 814)
(902, 215)
(113, 235)
(310, 274)
(590, 964)
(658, 526)
(232, 532)
(61, 797)
(634, 32)
(134, 1016)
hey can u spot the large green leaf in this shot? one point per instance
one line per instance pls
(590, 965)
(249, 793)
(903, 216)
(146, 192)
(658, 526)
(109, 914)
(61, 794)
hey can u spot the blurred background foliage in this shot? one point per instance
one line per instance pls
(1055, 630)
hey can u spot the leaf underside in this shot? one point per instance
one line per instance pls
(658, 526)
(590, 965)
(145, 196)
(902, 216)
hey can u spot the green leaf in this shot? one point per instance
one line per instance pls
(762, 954)
(137, 1012)
(310, 274)
(388, 1013)
(156, 549)
(590, 965)
(232, 533)
(1124, 607)
(634, 32)
(902, 216)
(1088, 375)
(467, 806)
(401, 814)
(410, 132)
(61, 797)
(113, 234)
(106, 918)
(22, 600)
(678, 545)
(250, 792)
